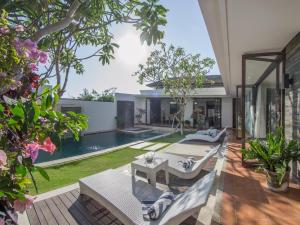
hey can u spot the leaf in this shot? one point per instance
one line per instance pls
(21, 170)
(18, 112)
(1, 108)
(49, 101)
(42, 172)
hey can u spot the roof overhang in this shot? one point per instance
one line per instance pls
(247, 26)
(198, 93)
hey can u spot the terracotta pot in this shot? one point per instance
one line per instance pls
(250, 163)
(273, 184)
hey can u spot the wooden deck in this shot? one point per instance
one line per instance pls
(70, 208)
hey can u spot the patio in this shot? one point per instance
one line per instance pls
(240, 197)
(246, 199)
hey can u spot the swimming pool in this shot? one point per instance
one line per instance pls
(92, 143)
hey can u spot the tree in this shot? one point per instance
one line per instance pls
(28, 120)
(63, 27)
(178, 73)
(107, 95)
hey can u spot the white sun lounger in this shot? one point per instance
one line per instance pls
(116, 192)
(176, 168)
(205, 137)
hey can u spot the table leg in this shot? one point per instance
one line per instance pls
(153, 179)
(133, 178)
(167, 177)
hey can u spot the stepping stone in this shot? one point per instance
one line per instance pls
(141, 145)
(156, 147)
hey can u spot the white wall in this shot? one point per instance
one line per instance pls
(101, 115)
(226, 112)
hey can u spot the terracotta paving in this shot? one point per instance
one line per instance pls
(246, 199)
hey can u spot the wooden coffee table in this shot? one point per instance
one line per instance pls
(150, 169)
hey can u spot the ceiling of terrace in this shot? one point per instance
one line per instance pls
(243, 26)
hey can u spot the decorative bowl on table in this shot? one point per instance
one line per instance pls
(149, 157)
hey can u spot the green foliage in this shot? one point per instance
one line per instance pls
(29, 122)
(275, 153)
(107, 95)
(90, 26)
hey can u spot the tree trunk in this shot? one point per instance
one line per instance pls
(182, 109)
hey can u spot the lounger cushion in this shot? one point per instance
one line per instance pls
(213, 132)
(187, 164)
(155, 210)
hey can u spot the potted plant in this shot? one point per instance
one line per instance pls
(120, 122)
(187, 123)
(275, 154)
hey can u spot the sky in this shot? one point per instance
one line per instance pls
(185, 28)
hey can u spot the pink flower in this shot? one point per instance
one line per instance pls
(33, 67)
(19, 28)
(18, 46)
(32, 151)
(32, 54)
(3, 159)
(2, 221)
(43, 57)
(22, 205)
(4, 30)
(29, 44)
(48, 146)
(2, 74)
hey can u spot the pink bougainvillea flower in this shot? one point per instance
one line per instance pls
(32, 54)
(33, 67)
(18, 46)
(43, 57)
(19, 28)
(34, 81)
(29, 44)
(48, 146)
(22, 205)
(4, 30)
(2, 74)
(3, 159)
(32, 151)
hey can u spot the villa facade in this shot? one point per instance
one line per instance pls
(208, 106)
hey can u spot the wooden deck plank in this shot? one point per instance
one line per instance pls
(98, 211)
(62, 208)
(59, 217)
(82, 209)
(32, 216)
(40, 214)
(75, 212)
(51, 220)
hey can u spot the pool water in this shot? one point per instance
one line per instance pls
(92, 143)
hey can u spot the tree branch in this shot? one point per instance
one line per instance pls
(63, 23)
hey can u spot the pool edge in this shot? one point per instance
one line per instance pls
(66, 160)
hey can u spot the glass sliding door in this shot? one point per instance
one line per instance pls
(207, 113)
(260, 95)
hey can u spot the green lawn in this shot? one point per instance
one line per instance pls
(69, 173)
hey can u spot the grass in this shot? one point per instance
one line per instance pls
(70, 173)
